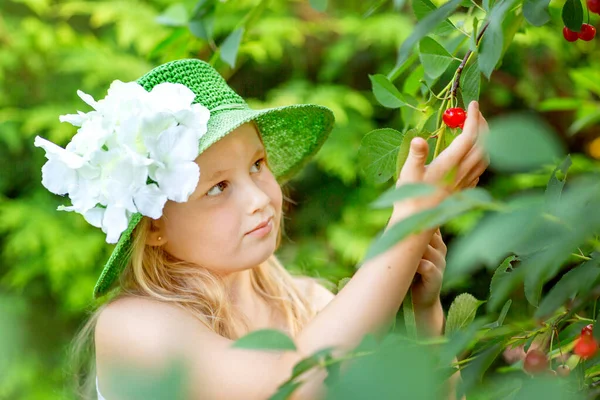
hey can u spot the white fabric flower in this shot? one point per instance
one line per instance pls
(131, 154)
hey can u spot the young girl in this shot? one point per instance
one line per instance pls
(187, 180)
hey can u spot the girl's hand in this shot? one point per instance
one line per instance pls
(465, 156)
(428, 281)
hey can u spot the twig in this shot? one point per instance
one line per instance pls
(464, 62)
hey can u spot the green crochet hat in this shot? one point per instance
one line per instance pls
(291, 135)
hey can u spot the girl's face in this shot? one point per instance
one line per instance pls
(235, 193)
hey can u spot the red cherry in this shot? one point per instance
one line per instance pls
(587, 32)
(570, 35)
(585, 347)
(563, 370)
(587, 330)
(535, 362)
(454, 117)
(594, 6)
(461, 126)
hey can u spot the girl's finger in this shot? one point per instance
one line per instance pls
(473, 183)
(438, 243)
(426, 268)
(413, 169)
(473, 164)
(474, 174)
(436, 257)
(452, 156)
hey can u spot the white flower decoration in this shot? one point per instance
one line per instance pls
(134, 152)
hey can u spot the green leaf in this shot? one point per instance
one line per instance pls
(265, 339)
(470, 82)
(405, 148)
(175, 15)
(578, 280)
(458, 341)
(473, 38)
(423, 28)
(386, 93)
(521, 142)
(572, 15)
(504, 312)
(474, 371)
(422, 8)
(378, 151)
(491, 44)
(556, 184)
(451, 207)
(536, 11)
(410, 321)
(496, 236)
(403, 192)
(462, 312)
(285, 390)
(498, 288)
(309, 362)
(319, 5)
(202, 21)
(376, 376)
(230, 46)
(434, 57)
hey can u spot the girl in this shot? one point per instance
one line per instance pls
(187, 180)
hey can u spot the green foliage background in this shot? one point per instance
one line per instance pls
(291, 53)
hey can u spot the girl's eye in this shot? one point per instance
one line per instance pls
(259, 161)
(222, 185)
(218, 185)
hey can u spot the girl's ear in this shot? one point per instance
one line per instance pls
(156, 235)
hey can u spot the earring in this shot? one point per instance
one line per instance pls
(159, 238)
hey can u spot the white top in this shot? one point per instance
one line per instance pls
(100, 397)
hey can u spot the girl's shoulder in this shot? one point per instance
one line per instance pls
(315, 290)
(142, 329)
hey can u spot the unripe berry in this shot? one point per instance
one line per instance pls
(570, 35)
(594, 6)
(587, 32)
(563, 370)
(586, 346)
(454, 117)
(535, 362)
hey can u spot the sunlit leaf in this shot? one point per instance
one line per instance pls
(462, 312)
(377, 154)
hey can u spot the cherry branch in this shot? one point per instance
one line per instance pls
(464, 62)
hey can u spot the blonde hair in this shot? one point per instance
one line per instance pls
(155, 274)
